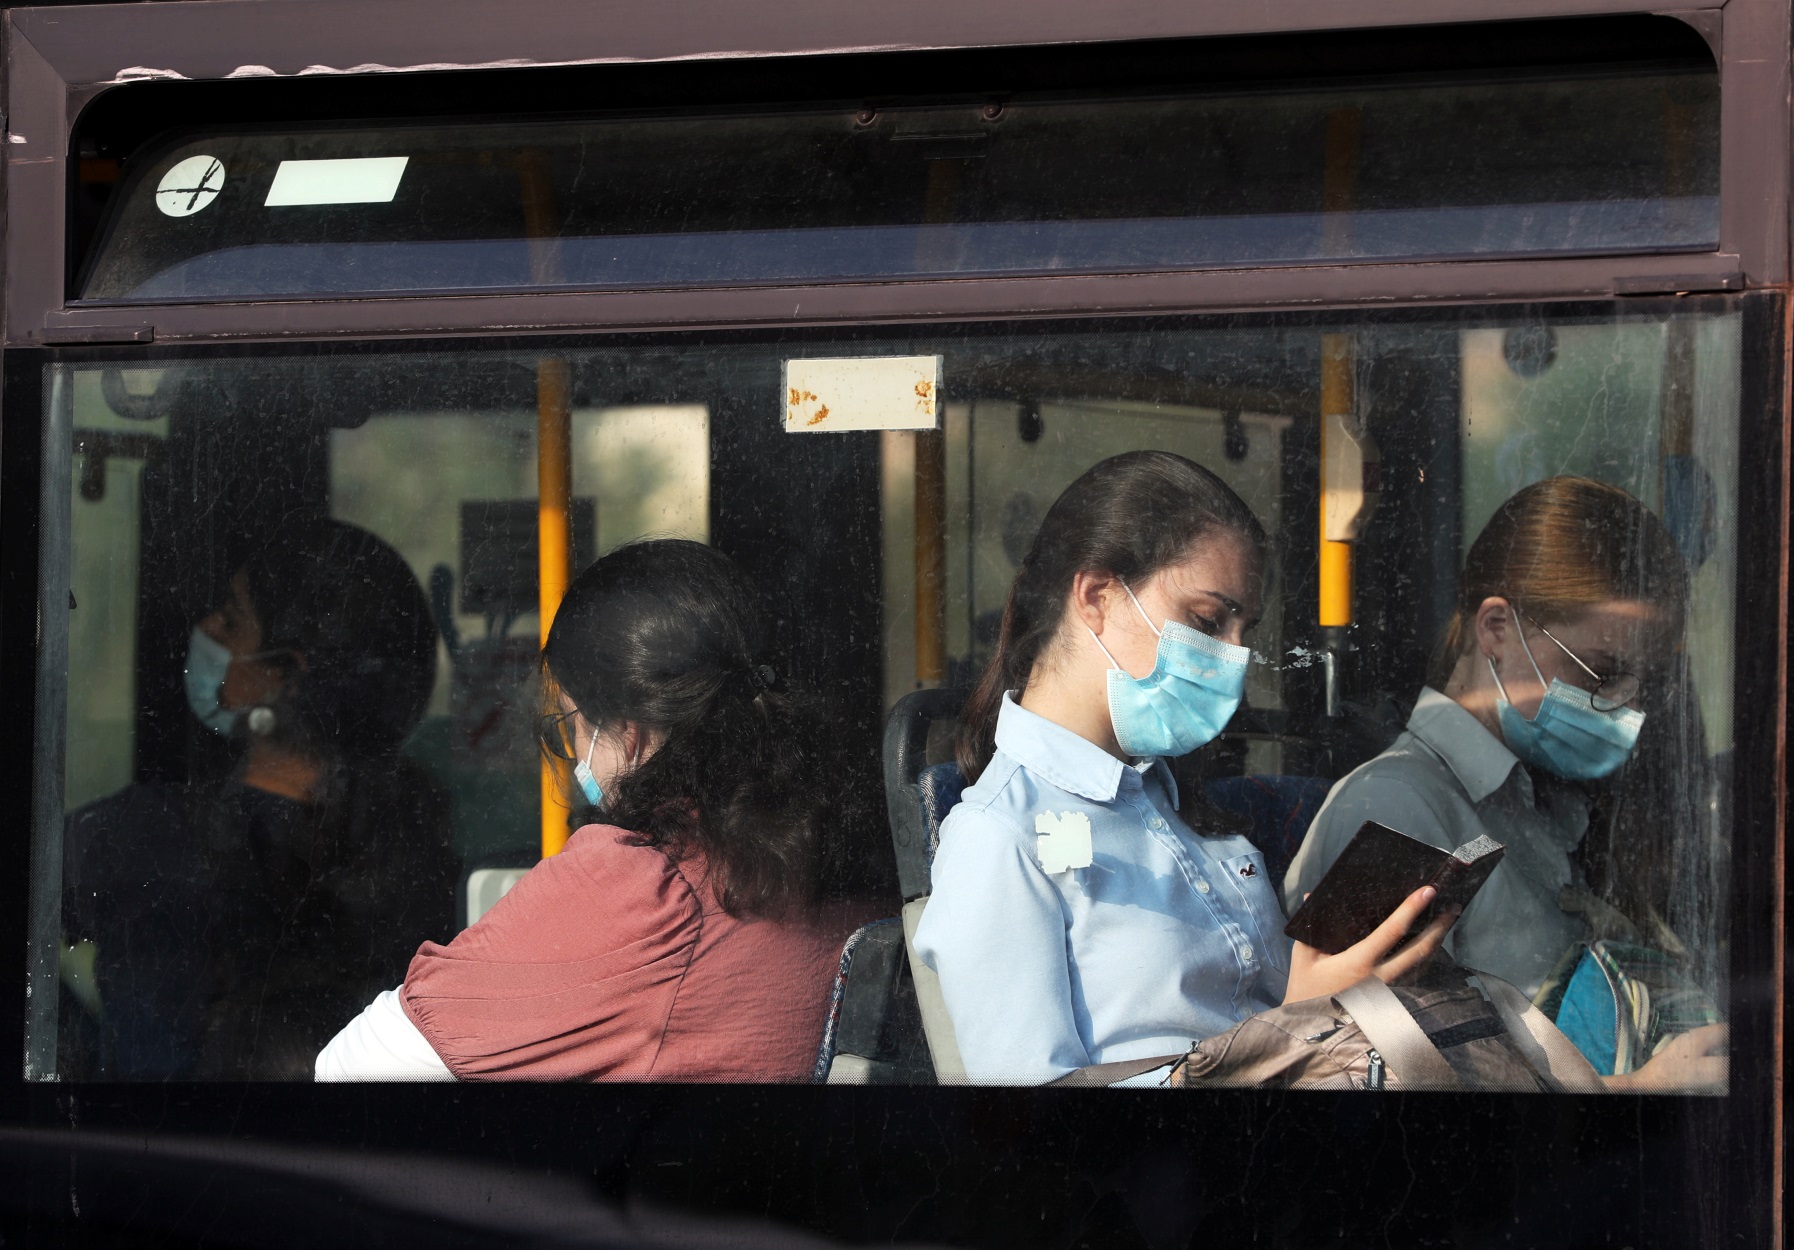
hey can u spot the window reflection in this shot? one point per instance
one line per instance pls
(182, 473)
(1600, 159)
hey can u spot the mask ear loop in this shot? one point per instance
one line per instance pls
(1142, 611)
(1156, 631)
(1537, 672)
(1105, 650)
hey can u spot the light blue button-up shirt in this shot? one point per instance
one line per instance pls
(1054, 953)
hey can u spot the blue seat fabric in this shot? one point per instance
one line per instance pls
(1279, 808)
(831, 1029)
(939, 788)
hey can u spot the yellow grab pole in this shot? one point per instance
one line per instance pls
(554, 566)
(554, 460)
(1338, 405)
(1341, 434)
(940, 205)
(931, 557)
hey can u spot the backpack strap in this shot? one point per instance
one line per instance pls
(1103, 1074)
(1546, 1048)
(1401, 1042)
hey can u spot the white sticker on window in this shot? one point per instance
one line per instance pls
(1064, 842)
(357, 180)
(190, 185)
(862, 393)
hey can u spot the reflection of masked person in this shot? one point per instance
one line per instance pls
(1582, 732)
(1569, 608)
(314, 867)
(1568, 616)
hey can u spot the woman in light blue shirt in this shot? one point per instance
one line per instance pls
(1075, 918)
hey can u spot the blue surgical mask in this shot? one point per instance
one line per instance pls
(1192, 692)
(208, 663)
(1567, 736)
(582, 773)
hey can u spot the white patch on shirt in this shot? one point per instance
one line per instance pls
(1064, 841)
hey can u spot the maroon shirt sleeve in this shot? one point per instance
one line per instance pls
(571, 976)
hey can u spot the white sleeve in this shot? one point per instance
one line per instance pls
(381, 1044)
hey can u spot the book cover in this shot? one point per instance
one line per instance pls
(1377, 870)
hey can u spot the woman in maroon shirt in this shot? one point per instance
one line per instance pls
(693, 934)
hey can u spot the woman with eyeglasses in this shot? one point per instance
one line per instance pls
(691, 929)
(1568, 616)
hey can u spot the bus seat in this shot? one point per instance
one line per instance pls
(872, 1033)
(931, 1005)
(905, 763)
(487, 879)
(917, 798)
(939, 788)
(1279, 808)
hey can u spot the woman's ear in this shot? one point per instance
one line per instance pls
(1493, 620)
(1090, 595)
(637, 743)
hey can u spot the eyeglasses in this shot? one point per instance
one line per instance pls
(555, 732)
(1610, 693)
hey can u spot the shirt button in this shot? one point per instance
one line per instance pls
(1157, 823)
(1201, 886)
(1246, 953)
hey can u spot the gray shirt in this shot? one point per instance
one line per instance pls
(1446, 781)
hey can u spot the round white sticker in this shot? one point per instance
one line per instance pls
(190, 186)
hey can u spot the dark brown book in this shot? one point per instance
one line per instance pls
(1378, 869)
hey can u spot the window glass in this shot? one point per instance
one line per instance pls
(178, 474)
(1614, 159)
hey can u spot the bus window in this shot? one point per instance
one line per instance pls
(1603, 158)
(850, 534)
(114, 437)
(441, 488)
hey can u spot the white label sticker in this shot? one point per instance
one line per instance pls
(357, 180)
(862, 393)
(190, 185)
(1064, 841)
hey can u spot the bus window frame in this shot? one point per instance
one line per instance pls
(60, 59)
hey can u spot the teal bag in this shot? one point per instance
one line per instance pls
(1622, 1001)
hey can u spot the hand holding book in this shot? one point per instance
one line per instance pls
(1383, 909)
(1380, 868)
(1387, 953)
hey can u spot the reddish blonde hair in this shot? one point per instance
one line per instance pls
(1558, 548)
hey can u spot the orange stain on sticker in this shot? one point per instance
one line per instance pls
(821, 414)
(925, 396)
(797, 399)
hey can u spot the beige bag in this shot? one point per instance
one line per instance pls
(1435, 1032)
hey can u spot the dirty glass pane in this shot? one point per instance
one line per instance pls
(887, 549)
(1608, 160)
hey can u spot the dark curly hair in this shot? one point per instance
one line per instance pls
(669, 635)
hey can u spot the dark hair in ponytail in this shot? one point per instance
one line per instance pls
(669, 635)
(1131, 516)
